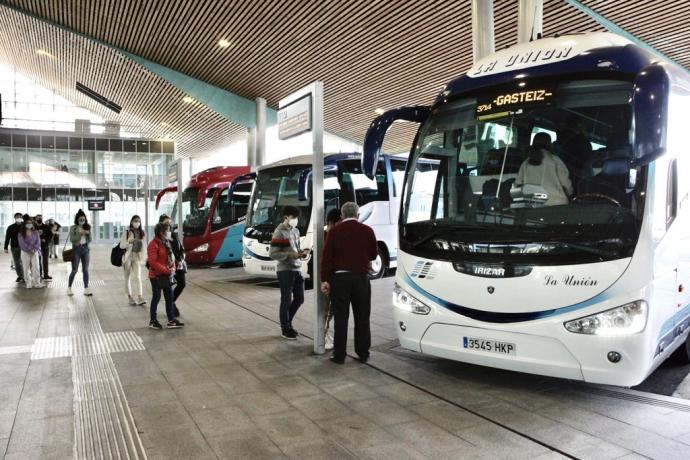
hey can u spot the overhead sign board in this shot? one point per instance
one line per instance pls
(295, 118)
(96, 204)
(172, 172)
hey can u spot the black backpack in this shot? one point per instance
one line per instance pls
(116, 255)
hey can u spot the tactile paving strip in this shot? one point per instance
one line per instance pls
(89, 344)
(76, 284)
(103, 423)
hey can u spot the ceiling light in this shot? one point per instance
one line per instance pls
(223, 43)
(44, 53)
(187, 99)
(379, 111)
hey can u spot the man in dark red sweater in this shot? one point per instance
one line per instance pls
(345, 264)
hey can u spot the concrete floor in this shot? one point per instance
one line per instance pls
(85, 377)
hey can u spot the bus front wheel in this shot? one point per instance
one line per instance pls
(378, 265)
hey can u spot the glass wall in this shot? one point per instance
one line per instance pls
(55, 173)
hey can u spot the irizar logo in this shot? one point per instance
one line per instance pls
(423, 269)
(489, 271)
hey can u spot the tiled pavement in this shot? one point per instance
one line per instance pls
(227, 386)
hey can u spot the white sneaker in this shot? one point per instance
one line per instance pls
(40, 285)
(87, 292)
(69, 292)
(132, 301)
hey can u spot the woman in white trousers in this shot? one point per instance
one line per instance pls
(132, 242)
(30, 245)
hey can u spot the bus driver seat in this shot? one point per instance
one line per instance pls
(612, 181)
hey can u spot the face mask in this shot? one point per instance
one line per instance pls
(82, 221)
(135, 224)
(18, 220)
(29, 226)
(168, 235)
(293, 222)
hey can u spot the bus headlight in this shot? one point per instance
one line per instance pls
(404, 301)
(627, 319)
(201, 248)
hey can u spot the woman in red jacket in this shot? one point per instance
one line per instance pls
(161, 265)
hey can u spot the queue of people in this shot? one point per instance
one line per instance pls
(20, 240)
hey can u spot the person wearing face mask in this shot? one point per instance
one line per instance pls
(545, 169)
(30, 244)
(55, 241)
(80, 237)
(180, 262)
(162, 277)
(132, 242)
(12, 243)
(285, 248)
(46, 235)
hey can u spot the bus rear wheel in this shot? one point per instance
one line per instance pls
(378, 265)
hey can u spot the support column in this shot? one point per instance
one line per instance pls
(260, 133)
(251, 149)
(530, 20)
(482, 28)
(182, 179)
(318, 217)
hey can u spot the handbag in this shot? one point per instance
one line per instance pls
(166, 281)
(67, 254)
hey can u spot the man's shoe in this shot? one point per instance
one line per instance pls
(364, 359)
(87, 292)
(19, 280)
(336, 360)
(294, 331)
(48, 278)
(155, 325)
(69, 292)
(174, 324)
(289, 334)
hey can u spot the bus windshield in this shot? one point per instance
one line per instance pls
(195, 215)
(276, 188)
(546, 180)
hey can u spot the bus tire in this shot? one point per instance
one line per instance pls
(379, 265)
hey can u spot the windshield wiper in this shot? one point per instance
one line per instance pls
(584, 248)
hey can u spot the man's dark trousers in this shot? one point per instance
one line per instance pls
(352, 288)
(291, 296)
(45, 255)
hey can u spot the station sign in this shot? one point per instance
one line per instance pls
(96, 204)
(295, 118)
(172, 172)
(514, 100)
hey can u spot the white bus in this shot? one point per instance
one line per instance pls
(288, 183)
(497, 272)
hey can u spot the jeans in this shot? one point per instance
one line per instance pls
(346, 289)
(81, 254)
(156, 289)
(291, 296)
(17, 257)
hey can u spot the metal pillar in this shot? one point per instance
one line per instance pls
(318, 217)
(251, 149)
(530, 20)
(260, 133)
(482, 28)
(182, 168)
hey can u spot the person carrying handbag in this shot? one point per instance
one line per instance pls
(80, 237)
(161, 263)
(132, 242)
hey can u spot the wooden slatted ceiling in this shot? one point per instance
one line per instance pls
(148, 101)
(370, 53)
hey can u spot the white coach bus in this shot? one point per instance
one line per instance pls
(495, 269)
(288, 183)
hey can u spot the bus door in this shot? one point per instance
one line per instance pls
(396, 175)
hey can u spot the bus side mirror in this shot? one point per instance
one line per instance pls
(373, 140)
(650, 113)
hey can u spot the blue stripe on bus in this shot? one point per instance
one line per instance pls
(498, 317)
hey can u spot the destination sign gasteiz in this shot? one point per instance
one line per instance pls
(514, 100)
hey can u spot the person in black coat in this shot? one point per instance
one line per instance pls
(180, 262)
(12, 243)
(45, 232)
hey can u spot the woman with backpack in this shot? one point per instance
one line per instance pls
(132, 244)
